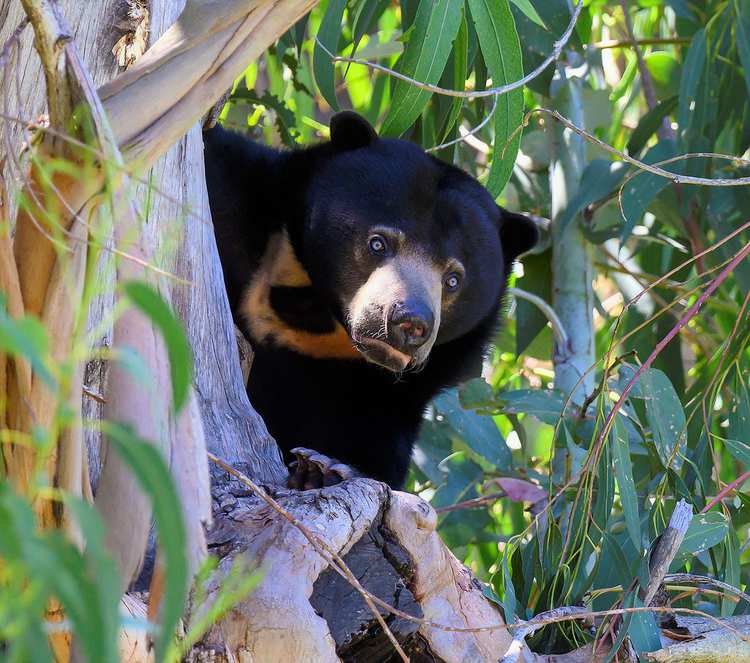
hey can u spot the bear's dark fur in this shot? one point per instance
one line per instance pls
(367, 275)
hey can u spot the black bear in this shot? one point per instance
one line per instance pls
(368, 276)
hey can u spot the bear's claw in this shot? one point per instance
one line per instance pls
(315, 470)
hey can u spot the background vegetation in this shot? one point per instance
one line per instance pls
(554, 501)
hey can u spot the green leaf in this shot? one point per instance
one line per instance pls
(742, 9)
(666, 418)
(640, 191)
(26, 339)
(86, 587)
(605, 494)
(285, 121)
(151, 304)
(501, 49)
(103, 576)
(365, 18)
(433, 447)
(329, 34)
(530, 321)
(628, 601)
(460, 72)
(731, 571)
(598, 181)
(476, 394)
(528, 9)
(705, 531)
(644, 632)
(479, 433)
(665, 73)
(538, 42)
(510, 604)
(152, 473)
(545, 405)
(649, 124)
(738, 444)
(624, 474)
(691, 74)
(739, 450)
(426, 54)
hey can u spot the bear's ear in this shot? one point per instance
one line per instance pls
(350, 131)
(518, 234)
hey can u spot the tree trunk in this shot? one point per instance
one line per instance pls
(389, 539)
(572, 268)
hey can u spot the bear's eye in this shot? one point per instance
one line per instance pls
(452, 282)
(377, 245)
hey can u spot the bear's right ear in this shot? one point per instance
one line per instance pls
(350, 131)
(519, 233)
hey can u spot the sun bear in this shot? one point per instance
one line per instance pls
(368, 276)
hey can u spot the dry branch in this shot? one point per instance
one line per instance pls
(665, 549)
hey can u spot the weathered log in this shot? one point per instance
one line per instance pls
(303, 608)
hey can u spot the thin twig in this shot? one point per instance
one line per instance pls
(472, 132)
(558, 329)
(649, 168)
(472, 503)
(533, 625)
(469, 94)
(630, 43)
(726, 490)
(93, 395)
(689, 315)
(706, 580)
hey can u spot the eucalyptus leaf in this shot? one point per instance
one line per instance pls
(528, 9)
(149, 302)
(705, 531)
(666, 418)
(328, 35)
(501, 49)
(742, 8)
(600, 179)
(148, 466)
(625, 482)
(545, 405)
(479, 433)
(435, 28)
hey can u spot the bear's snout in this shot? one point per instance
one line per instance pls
(410, 325)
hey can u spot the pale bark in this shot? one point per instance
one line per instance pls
(572, 268)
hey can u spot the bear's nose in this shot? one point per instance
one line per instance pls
(410, 325)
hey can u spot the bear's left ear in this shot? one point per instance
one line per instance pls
(518, 233)
(350, 131)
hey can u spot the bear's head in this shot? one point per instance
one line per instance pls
(409, 252)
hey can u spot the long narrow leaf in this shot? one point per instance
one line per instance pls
(424, 59)
(328, 35)
(150, 303)
(501, 49)
(153, 475)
